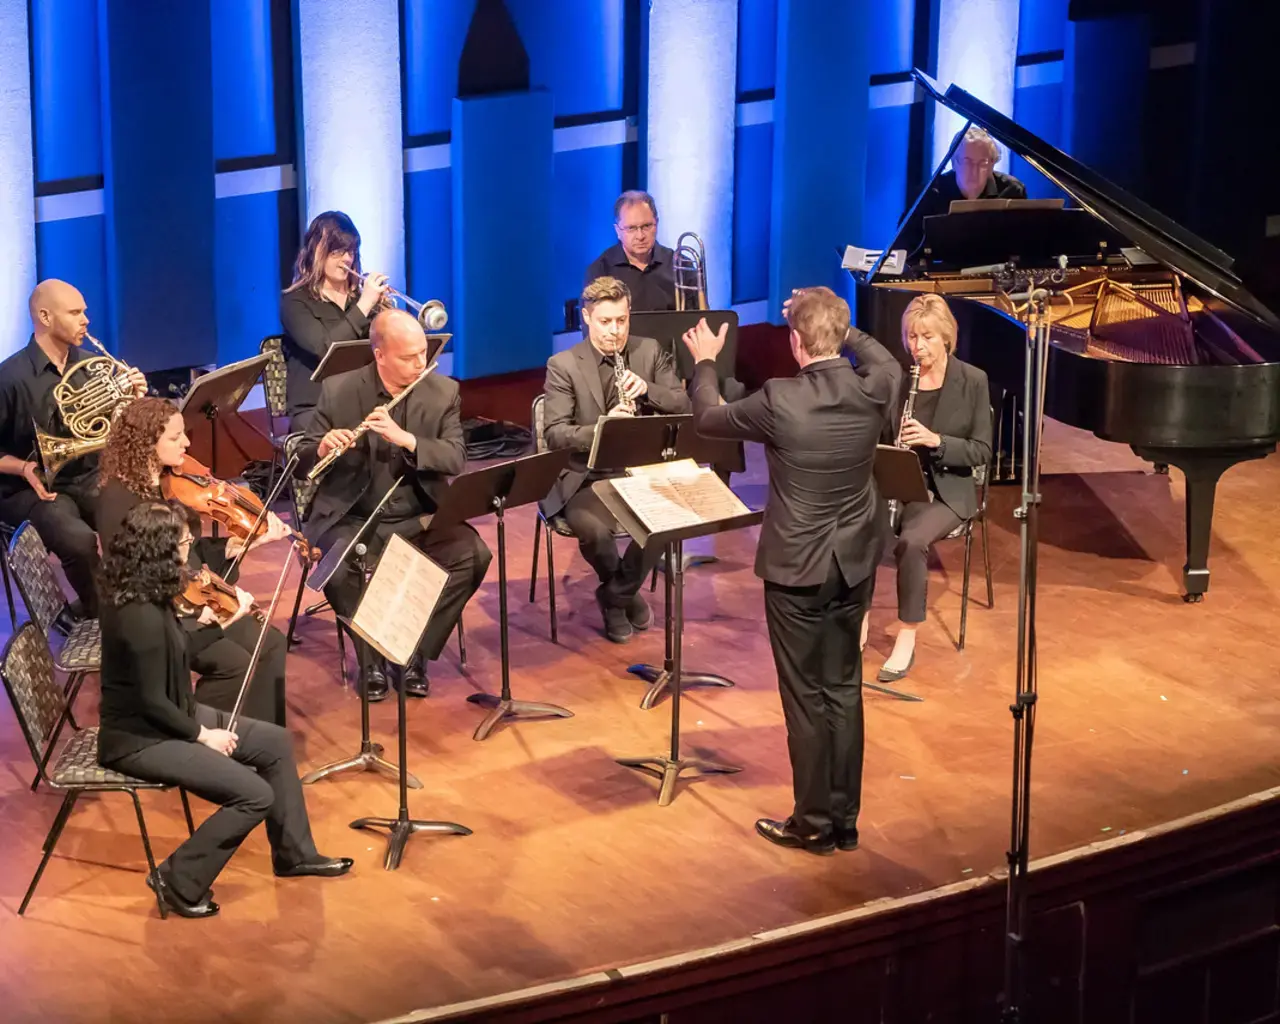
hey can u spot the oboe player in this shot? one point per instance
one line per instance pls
(419, 442)
(951, 429)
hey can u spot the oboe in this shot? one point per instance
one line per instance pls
(625, 406)
(908, 411)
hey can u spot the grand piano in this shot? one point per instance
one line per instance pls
(1156, 342)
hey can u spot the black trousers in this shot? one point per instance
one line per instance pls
(259, 781)
(67, 526)
(222, 665)
(593, 525)
(457, 549)
(814, 632)
(922, 524)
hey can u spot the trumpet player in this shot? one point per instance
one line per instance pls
(61, 512)
(607, 373)
(328, 301)
(951, 430)
(418, 441)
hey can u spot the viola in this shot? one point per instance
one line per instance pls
(233, 506)
(204, 588)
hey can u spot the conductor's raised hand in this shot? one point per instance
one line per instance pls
(336, 438)
(381, 423)
(703, 343)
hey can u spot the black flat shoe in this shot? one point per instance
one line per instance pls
(781, 833)
(175, 903)
(325, 867)
(846, 838)
(639, 614)
(889, 675)
(617, 627)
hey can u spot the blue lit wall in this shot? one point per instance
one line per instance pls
(596, 60)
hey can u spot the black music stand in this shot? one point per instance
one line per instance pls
(369, 758)
(668, 326)
(495, 489)
(345, 356)
(658, 439)
(217, 394)
(402, 827)
(668, 767)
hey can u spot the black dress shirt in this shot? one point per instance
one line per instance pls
(387, 463)
(310, 326)
(27, 380)
(943, 192)
(652, 289)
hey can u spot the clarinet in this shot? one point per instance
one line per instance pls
(908, 410)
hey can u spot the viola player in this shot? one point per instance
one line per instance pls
(148, 440)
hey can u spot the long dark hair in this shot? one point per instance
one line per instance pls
(330, 232)
(142, 562)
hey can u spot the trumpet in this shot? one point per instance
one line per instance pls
(361, 430)
(431, 314)
(689, 265)
(88, 397)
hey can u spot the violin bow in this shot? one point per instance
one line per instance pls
(257, 648)
(266, 507)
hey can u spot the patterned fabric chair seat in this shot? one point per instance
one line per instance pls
(81, 650)
(275, 386)
(77, 765)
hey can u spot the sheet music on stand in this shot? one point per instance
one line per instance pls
(399, 600)
(673, 495)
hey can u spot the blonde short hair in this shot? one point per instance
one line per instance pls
(604, 289)
(821, 318)
(935, 308)
(975, 136)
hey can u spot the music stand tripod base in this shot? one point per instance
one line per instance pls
(368, 760)
(502, 708)
(399, 831)
(668, 771)
(890, 692)
(659, 680)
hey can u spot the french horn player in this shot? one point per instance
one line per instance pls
(59, 506)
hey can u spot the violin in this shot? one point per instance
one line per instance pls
(204, 588)
(235, 507)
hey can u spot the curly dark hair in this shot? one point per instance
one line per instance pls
(142, 562)
(130, 454)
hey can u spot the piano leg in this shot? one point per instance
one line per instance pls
(1202, 469)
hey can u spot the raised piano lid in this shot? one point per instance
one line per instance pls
(1169, 243)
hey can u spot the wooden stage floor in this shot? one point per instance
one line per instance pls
(1150, 709)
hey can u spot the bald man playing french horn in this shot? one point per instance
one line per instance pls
(61, 511)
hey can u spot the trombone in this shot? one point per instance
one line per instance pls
(431, 314)
(689, 266)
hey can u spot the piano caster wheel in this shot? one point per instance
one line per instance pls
(1193, 598)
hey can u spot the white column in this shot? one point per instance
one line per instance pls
(17, 177)
(351, 144)
(691, 103)
(977, 50)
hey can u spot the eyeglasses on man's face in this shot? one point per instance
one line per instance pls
(632, 229)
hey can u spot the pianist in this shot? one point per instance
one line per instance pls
(974, 177)
(951, 432)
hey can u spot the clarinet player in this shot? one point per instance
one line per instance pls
(950, 428)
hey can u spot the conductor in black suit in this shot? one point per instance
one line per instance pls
(824, 530)
(951, 431)
(582, 386)
(419, 443)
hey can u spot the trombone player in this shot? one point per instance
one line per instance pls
(646, 267)
(60, 510)
(390, 421)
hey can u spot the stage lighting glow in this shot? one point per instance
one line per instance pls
(689, 138)
(352, 140)
(977, 50)
(17, 177)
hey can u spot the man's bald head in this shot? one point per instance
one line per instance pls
(399, 348)
(58, 312)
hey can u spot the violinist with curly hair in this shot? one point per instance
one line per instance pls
(148, 439)
(152, 728)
